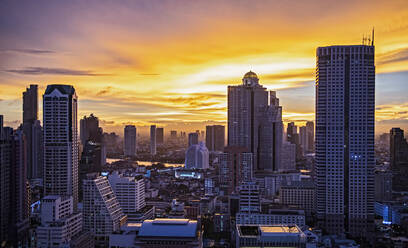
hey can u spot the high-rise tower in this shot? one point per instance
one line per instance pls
(60, 141)
(130, 140)
(153, 140)
(345, 91)
(255, 122)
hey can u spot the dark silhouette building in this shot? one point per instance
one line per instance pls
(215, 138)
(399, 159)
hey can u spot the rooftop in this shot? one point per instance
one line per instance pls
(175, 228)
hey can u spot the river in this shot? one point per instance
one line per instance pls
(145, 163)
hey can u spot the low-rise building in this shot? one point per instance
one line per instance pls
(274, 217)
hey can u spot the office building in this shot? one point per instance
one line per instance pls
(102, 214)
(300, 194)
(399, 159)
(249, 198)
(215, 138)
(129, 191)
(345, 106)
(197, 157)
(269, 236)
(193, 138)
(169, 233)
(60, 226)
(235, 167)
(153, 140)
(60, 141)
(255, 122)
(159, 136)
(130, 135)
(30, 115)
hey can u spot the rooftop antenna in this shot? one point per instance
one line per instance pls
(372, 37)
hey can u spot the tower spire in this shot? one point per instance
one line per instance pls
(372, 37)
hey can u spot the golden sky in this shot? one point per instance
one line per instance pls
(169, 62)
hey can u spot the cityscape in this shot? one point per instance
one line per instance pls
(265, 149)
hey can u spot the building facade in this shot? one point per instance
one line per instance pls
(345, 106)
(61, 145)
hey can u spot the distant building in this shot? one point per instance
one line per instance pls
(310, 136)
(130, 145)
(102, 214)
(153, 140)
(193, 138)
(129, 191)
(169, 233)
(90, 130)
(60, 226)
(37, 155)
(288, 157)
(30, 116)
(159, 135)
(173, 135)
(399, 159)
(235, 166)
(197, 156)
(269, 236)
(61, 150)
(300, 194)
(383, 185)
(255, 122)
(215, 138)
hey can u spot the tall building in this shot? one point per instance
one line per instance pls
(130, 192)
(14, 189)
(197, 157)
(345, 106)
(310, 136)
(61, 141)
(399, 159)
(215, 138)
(30, 116)
(288, 157)
(130, 136)
(37, 155)
(383, 185)
(193, 139)
(291, 132)
(102, 214)
(235, 167)
(249, 198)
(159, 135)
(90, 130)
(255, 122)
(153, 140)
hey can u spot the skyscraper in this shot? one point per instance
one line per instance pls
(30, 116)
(130, 140)
(90, 130)
(192, 139)
(254, 120)
(215, 138)
(60, 141)
(345, 91)
(153, 140)
(310, 136)
(159, 135)
(399, 159)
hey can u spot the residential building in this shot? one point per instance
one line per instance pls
(249, 198)
(102, 214)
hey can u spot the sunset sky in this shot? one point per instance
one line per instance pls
(169, 62)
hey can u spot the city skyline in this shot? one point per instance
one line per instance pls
(142, 68)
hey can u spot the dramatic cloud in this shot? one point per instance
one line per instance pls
(29, 51)
(54, 71)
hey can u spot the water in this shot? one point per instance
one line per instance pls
(145, 163)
